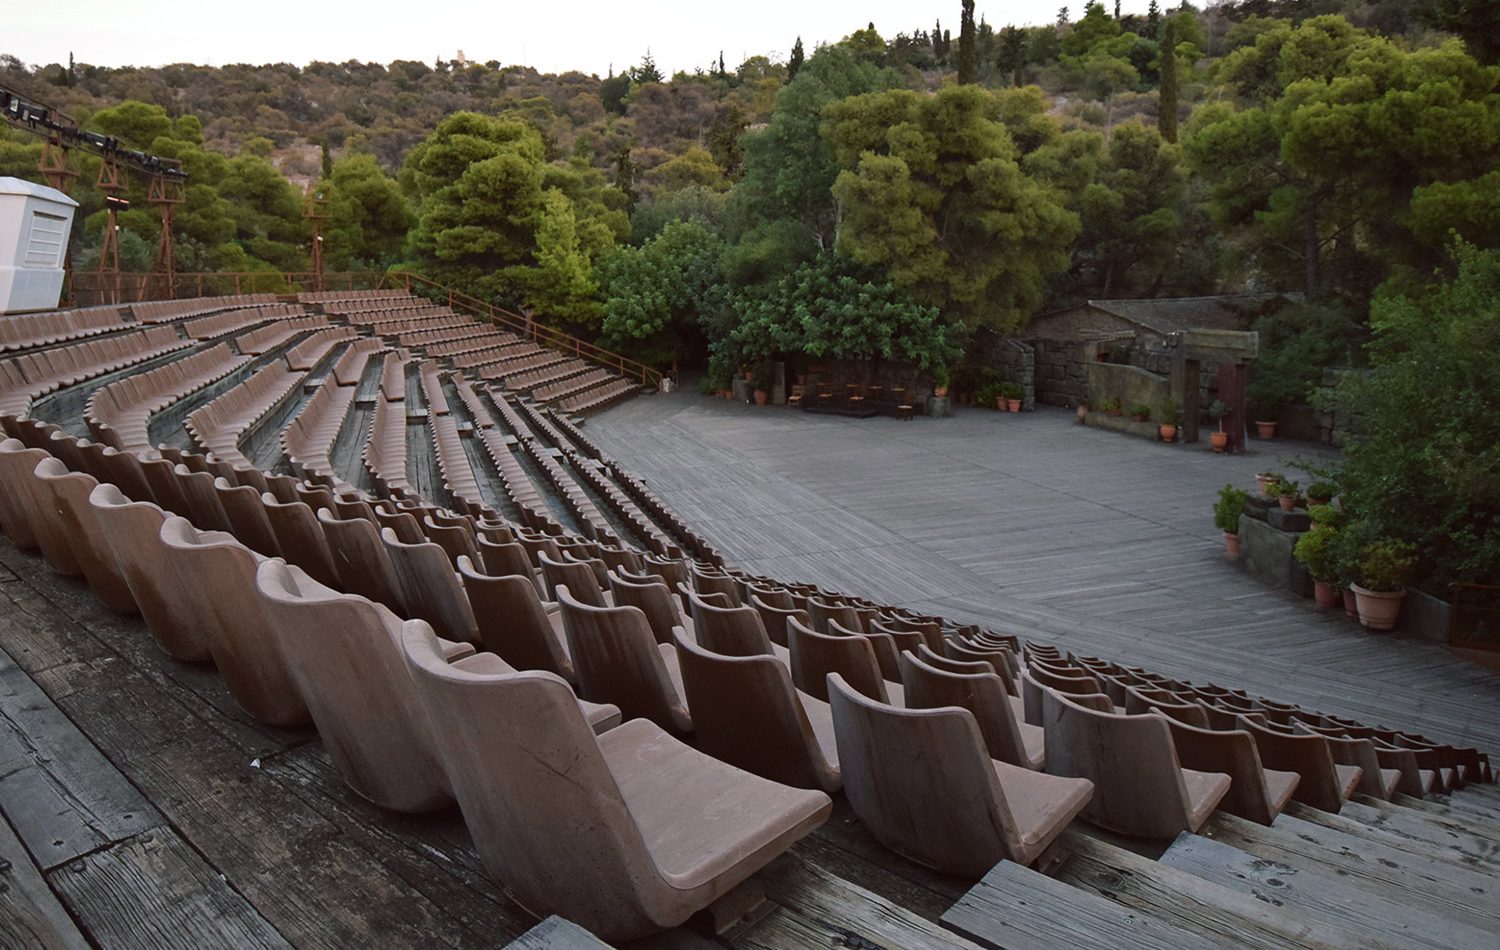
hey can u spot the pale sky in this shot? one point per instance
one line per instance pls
(589, 36)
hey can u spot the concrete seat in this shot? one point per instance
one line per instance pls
(360, 559)
(456, 539)
(1324, 785)
(239, 633)
(247, 517)
(653, 599)
(814, 655)
(1375, 781)
(707, 582)
(1007, 738)
(619, 661)
(300, 538)
(1256, 793)
(923, 783)
(1140, 787)
(430, 589)
(69, 493)
(626, 834)
(132, 531)
(747, 712)
(515, 624)
(18, 506)
(578, 577)
(732, 631)
(887, 655)
(1140, 700)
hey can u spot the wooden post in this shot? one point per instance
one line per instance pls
(1191, 374)
(1232, 378)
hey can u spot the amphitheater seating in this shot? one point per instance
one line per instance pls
(30, 376)
(219, 426)
(24, 331)
(233, 321)
(117, 414)
(168, 311)
(618, 661)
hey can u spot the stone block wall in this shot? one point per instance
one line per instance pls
(1014, 360)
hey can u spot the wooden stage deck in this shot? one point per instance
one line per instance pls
(1032, 524)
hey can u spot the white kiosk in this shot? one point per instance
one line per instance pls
(35, 222)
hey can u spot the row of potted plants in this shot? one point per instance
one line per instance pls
(1368, 576)
(1005, 394)
(1140, 412)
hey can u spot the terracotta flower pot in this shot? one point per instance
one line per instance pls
(1000, 403)
(940, 391)
(1114, 413)
(1288, 502)
(1378, 609)
(1231, 544)
(1218, 440)
(1312, 502)
(1168, 433)
(1263, 482)
(1083, 412)
(1014, 405)
(1326, 595)
(1266, 430)
(1351, 607)
(762, 397)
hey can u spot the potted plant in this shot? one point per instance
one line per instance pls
(940, 381)
(762, 381)
(1140, 412)
(1218, 440)
(1318, 549)
(1321, 492)
(1264, 408)
(1083, 412)
(1227, 511)
(1168, 428)
(1267, 480)
(1324, 515)
(1111, 406)
(1012, 393)
(1286, 491)
(1383, 569)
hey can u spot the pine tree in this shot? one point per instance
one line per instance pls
(723, 73)
(647, 71)
(1062, 17)
(966, 43)
(1166, 115)
(1153, 20)
(795, 63)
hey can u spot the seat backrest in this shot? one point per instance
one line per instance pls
(240, 634)
(774, 618)
(344, 655)
(124, 469)
(706, 583)
(247, 516)
(456, 539)
(1232, 752)
(69, 492)
(652, 599)
(1351, 750)
(1138, 782)
(512, 622)
(815, 655)
(300, 538)
(822, 612)
(730, 631)
(430, 589)
(1307, 755)
(406, 526)
(18, 509)
(617, 661)
(360, 559)
(887, 656)
(931, 658)
(929, 687)
(132, 531)
(747, 713)
(204, 508)
(921, 782)
(1140, 700)
(1002, 661)
(537, 795)
(576, 576)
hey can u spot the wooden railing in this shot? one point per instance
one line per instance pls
(525, 326)
(87, 289)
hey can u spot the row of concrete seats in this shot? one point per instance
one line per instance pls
(515, 350)
(599, 397)
(662, 512)
(571, 386)
(488, 340)
(308, 441)
(459, 480)
(552, 372)
(220, 425)
(352, 298)
(310, 352)
(618, 826)
(514, 364)
(349, 369)
(230, 321)
(384, 454)
(522, 492)
(416, 319)
(393, 377)
(590, 518)
(375, 314)
(432, 387)
(26, 330)
(117, 414)
(658, 541)
(277, 334)
(30, 376)
(572, 433)
(473, 404)
(171, 311)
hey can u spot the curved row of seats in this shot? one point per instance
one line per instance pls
(172, 311)
(117, 414)
(27, 330)
(32, 375)
(230, 321)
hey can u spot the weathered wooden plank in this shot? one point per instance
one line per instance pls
(63, 796)
(153, 890)
(837, 910)
(1385, 872)
(1467, 840)
(30, 916)
(555, 933)
(1322, 896)
(1015, 908)
(1189, 902)
(1417, 846)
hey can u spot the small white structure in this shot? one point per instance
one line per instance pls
(35, 222)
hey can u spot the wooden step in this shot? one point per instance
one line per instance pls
(1319, 893)
(1186, 901)
(1439, 805)
(555, 933)
(1467, 841)
(1422, 849)
(1017, 908)
(1387, 873)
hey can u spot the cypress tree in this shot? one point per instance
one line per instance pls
(795, 63)
(1166, 115)
(966, 43)
(327, 161)
(1153, 21)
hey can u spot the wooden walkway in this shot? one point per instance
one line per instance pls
(1029, 523)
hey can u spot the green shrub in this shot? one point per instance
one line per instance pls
(1285, 486)
(1322, 489)
(1318, 549)
(1385, 566)
(1325, 515)
(1229, 507)
(1009, 390)
(1141, 411)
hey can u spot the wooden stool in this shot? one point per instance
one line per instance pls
(904, 412)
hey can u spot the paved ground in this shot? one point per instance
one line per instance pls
(1100, 542)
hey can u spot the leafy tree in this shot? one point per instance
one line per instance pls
(1153, 20)
(966, 43)
(1131, 212)
(1478, 23)
(1423, 466)
(1095, 27)
(368, 217)
(656, 295)
(930, 189)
